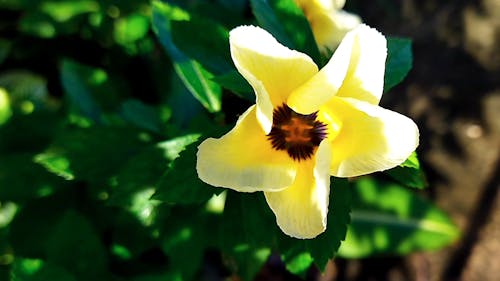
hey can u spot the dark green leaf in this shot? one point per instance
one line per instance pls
(233, 81)
(286, 22)
(94, 154)
(181, 184)
(297, 27)
(210, 47)
(399, 61)
(38, 270)
(21, 179)
(196, 79)
(141, 115)
(388, 219)
(324, 247)
(75, 245)
(33, 225)
(267, 19)
(76, 81)
(409, 173)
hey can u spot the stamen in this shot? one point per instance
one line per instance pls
(296, 133)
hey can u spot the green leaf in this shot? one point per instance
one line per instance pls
(247, 233)
(131, 28)
(27, 91)
(234, 82)
(324, 247)
(75, 245)
(5, 111)
(142, 115)
(196, 79)
(399, 61)
(297, 27)
(210, 47)
(76, 80)
(33, 224)
(5, 46)
(21, 179)
(300, 263)
(409, 173)
(267, 19)
(199, 82)
(94, 154)
(388, 219)
(181, 184)
(286, 22)
(186, 239)
(38, 270)
(62, 11)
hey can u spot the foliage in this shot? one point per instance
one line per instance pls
(102, 106)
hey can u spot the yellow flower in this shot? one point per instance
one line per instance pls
(328, 21)
(306, 125)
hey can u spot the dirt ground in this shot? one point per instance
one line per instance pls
(453, 93)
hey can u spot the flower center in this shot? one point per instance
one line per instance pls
(296, 133)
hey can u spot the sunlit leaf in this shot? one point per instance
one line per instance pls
(388, 219)
(196, 79)
(5, 111)
(64, 10)
(131, 28)
(399, 61)
(199, 82)
(39, 270)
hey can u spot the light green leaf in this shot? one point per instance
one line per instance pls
(388, 219)
(5, 111)
(131, 28)
(199, 82)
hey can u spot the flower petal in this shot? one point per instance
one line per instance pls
(355, 70)
(370, 138)
(310, 96)
(272, 69)
(244, 159)
(301, 209)
(365, 77)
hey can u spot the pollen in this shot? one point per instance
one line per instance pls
(296, 133)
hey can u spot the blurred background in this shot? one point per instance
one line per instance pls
(452, 93)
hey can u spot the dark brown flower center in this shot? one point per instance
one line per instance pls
(296, 133)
